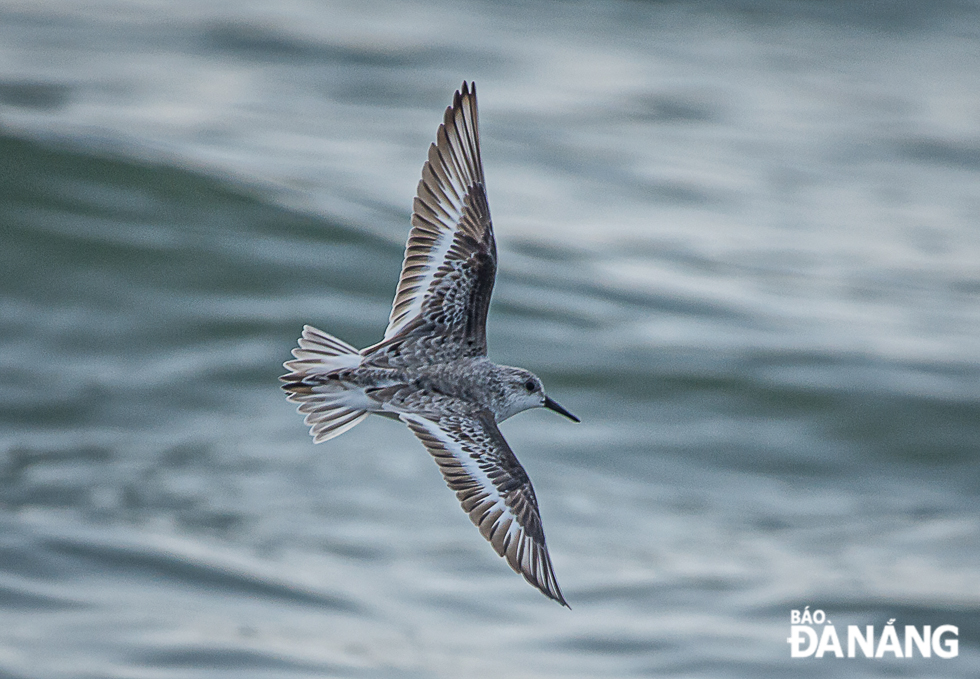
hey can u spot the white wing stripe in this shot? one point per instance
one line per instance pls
(436, 255)
(451, 171)
(468, 463)
(484, 504)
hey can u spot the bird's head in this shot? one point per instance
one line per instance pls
(523, 390)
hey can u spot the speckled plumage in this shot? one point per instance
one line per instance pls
(431, 370)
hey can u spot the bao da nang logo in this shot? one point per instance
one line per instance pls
(811, 634)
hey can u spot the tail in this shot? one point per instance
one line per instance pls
(313, 383)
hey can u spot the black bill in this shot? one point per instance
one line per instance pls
(552, 404)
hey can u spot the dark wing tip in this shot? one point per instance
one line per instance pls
(552, 591)
(465, 96)
(495, 492)
(538, 569)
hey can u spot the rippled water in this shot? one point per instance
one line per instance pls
(740, 241)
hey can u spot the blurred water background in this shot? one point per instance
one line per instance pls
(740, 240)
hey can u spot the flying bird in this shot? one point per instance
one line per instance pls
(431, 370)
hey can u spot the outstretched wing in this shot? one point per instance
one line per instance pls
(493, 488)
(451, 258)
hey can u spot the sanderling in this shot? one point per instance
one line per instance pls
(431, 370)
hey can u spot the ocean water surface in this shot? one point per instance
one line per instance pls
(740, 240)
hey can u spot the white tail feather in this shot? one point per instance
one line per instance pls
(319, 352)
(326, 404)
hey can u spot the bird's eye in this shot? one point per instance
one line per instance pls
(529, 385)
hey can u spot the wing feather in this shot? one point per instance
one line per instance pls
(493, 489)
(451, 257)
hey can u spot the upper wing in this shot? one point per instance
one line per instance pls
(451, 257)
(493, 488)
